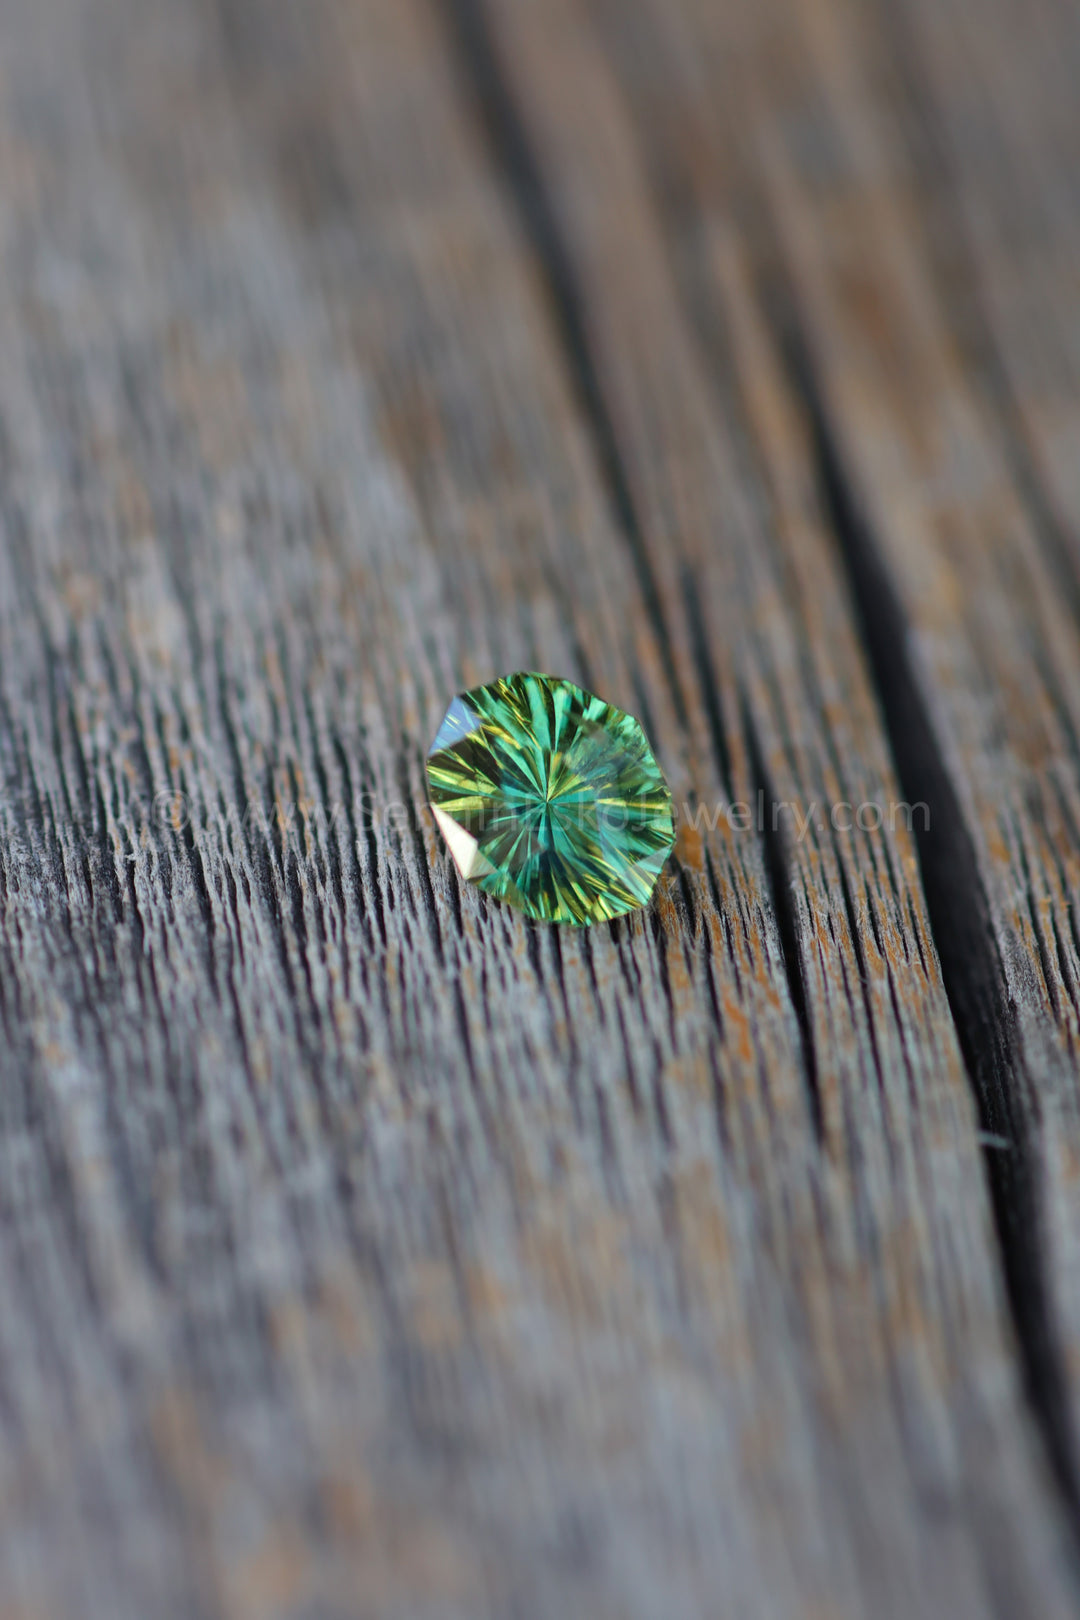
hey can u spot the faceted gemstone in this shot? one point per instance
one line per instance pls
(550, 798)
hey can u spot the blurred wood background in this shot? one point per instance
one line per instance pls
(366, 1251)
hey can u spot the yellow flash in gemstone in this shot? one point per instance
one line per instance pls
(551, 799)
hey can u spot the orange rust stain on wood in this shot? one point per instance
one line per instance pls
(434, 1307)
(271, 1579)
(351, 1502)
(178, 1431)
(738, 1022)
(578, 1259)
(487, 1296)
(689, 846)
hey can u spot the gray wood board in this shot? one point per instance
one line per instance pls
(367, 1250)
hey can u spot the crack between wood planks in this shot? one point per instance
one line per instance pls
(513, 157)
(971, 966)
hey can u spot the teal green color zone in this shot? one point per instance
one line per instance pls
(551, 799)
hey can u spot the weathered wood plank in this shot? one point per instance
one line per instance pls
(643, 357)
(997, 149)
(1012, 757)
(365, 1249)
(960, 578)
(558, 74)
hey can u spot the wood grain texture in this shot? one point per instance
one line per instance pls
(932, 490)
(366, 1250)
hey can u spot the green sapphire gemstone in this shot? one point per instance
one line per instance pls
(551, 799)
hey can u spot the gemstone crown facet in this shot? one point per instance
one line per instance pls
(550, 798)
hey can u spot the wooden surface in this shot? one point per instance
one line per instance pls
(366, 1251)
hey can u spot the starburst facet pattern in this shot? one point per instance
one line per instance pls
(550, 798)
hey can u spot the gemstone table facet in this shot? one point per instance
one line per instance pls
(550, 798)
